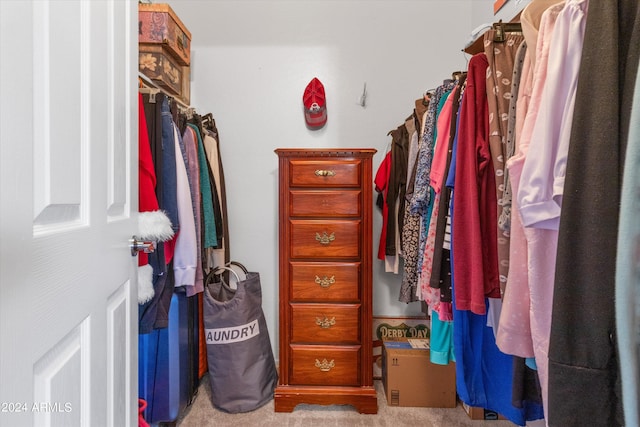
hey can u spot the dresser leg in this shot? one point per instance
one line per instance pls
(363, 399)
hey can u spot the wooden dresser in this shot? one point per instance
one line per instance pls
(325, 278)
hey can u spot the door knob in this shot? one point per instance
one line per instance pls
(138, 246)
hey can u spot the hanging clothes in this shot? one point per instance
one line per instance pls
(543, 172)
(514, 334)
(395, 197)
(476, 271)
(438, 291)
(381, 182)
(421, 193)
(168, 199)
(423, 199)
(189, 147)
(153, 224)
(186, 249)
(431, 295)
(441, 268)
(210, 239)
(411, 221)
(524, 306)
(440, 146)
(154, 314)
(481, 377)
(583, 351)
(217, 255)
(501, 58)
(628, 271)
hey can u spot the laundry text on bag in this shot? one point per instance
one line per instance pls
(233, 334)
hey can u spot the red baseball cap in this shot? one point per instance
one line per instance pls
(315, 108)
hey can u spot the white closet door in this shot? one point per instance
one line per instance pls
(68, 202)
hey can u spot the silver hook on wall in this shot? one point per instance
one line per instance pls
(363, 98)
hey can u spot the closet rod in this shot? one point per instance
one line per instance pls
(147, 80)
(151, 84)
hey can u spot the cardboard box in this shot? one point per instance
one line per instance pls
(410, 379)
(476, 413)
(395, 328)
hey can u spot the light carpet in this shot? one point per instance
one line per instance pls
(202, 413)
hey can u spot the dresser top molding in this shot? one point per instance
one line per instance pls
(325, 152)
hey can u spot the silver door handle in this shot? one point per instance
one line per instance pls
(138, 246)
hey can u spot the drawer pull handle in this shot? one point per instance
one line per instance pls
(325, 365)
(320, 172)
(325, 282)
(325, 323)
(325, 239)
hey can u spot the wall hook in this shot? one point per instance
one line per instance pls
(363, 97)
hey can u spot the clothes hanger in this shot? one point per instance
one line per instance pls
(152, 92)
(146, 85)
(457, 75)
(502, 28)
(208, 122)
(460, 78)
(426, 96)
(477, 45)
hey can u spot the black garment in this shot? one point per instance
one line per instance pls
(443, 280)
(164, 299)
(526, 384)
(412, 178)
(209, 124)
(154, 314)
(217, 209)
(584, 386)
(396, 187)
(440, 271)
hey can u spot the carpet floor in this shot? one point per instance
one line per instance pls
(202, 413)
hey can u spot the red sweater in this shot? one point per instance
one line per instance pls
(147, 200)
(474, 209)
(381, 182)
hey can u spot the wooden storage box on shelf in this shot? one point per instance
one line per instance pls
(158, 24)
(155, 62)
(185, 93)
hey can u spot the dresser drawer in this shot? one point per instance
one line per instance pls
(325, 173)
(325, 203)
(325, 365)
(319, 281)
(325, 239)
(325, 323)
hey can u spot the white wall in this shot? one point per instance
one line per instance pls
(251, 63)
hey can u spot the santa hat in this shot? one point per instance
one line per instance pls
(153, 224)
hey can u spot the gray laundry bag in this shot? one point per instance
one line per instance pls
(242, 369)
